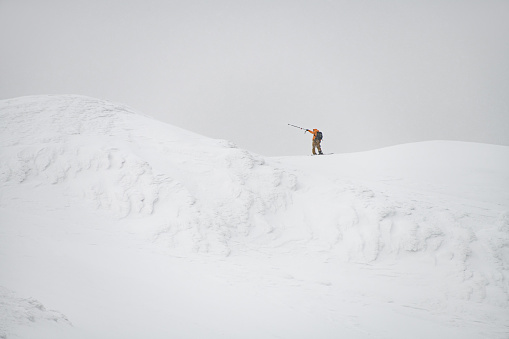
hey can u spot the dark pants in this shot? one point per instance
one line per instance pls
(316, 144)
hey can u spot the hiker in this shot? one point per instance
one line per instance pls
(317, 139)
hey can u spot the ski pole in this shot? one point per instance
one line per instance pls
(305, 129)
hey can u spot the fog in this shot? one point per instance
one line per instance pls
(369, 74)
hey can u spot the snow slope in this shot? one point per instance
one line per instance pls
(115, 225)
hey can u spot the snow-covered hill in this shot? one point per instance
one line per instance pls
(114, 225)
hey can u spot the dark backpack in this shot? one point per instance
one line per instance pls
(319, 135)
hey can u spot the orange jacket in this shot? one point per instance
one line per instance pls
(314, 131)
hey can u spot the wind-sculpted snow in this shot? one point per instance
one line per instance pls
(200, 192)
(19, 312)
(392, 243)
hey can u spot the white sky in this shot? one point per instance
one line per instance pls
(367, 73)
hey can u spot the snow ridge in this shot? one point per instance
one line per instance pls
(200, 192)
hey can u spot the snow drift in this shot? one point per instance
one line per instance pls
(346, 245)
(199, 192)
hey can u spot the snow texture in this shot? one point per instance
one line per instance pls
(113, 218)
(18, 311)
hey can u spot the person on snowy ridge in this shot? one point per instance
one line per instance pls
(317, 139)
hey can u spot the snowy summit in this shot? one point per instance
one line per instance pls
(116, 225)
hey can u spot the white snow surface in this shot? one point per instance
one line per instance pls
(115, 225)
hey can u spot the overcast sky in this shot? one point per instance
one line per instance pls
(367, 73)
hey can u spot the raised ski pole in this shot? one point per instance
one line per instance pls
(304, 129)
